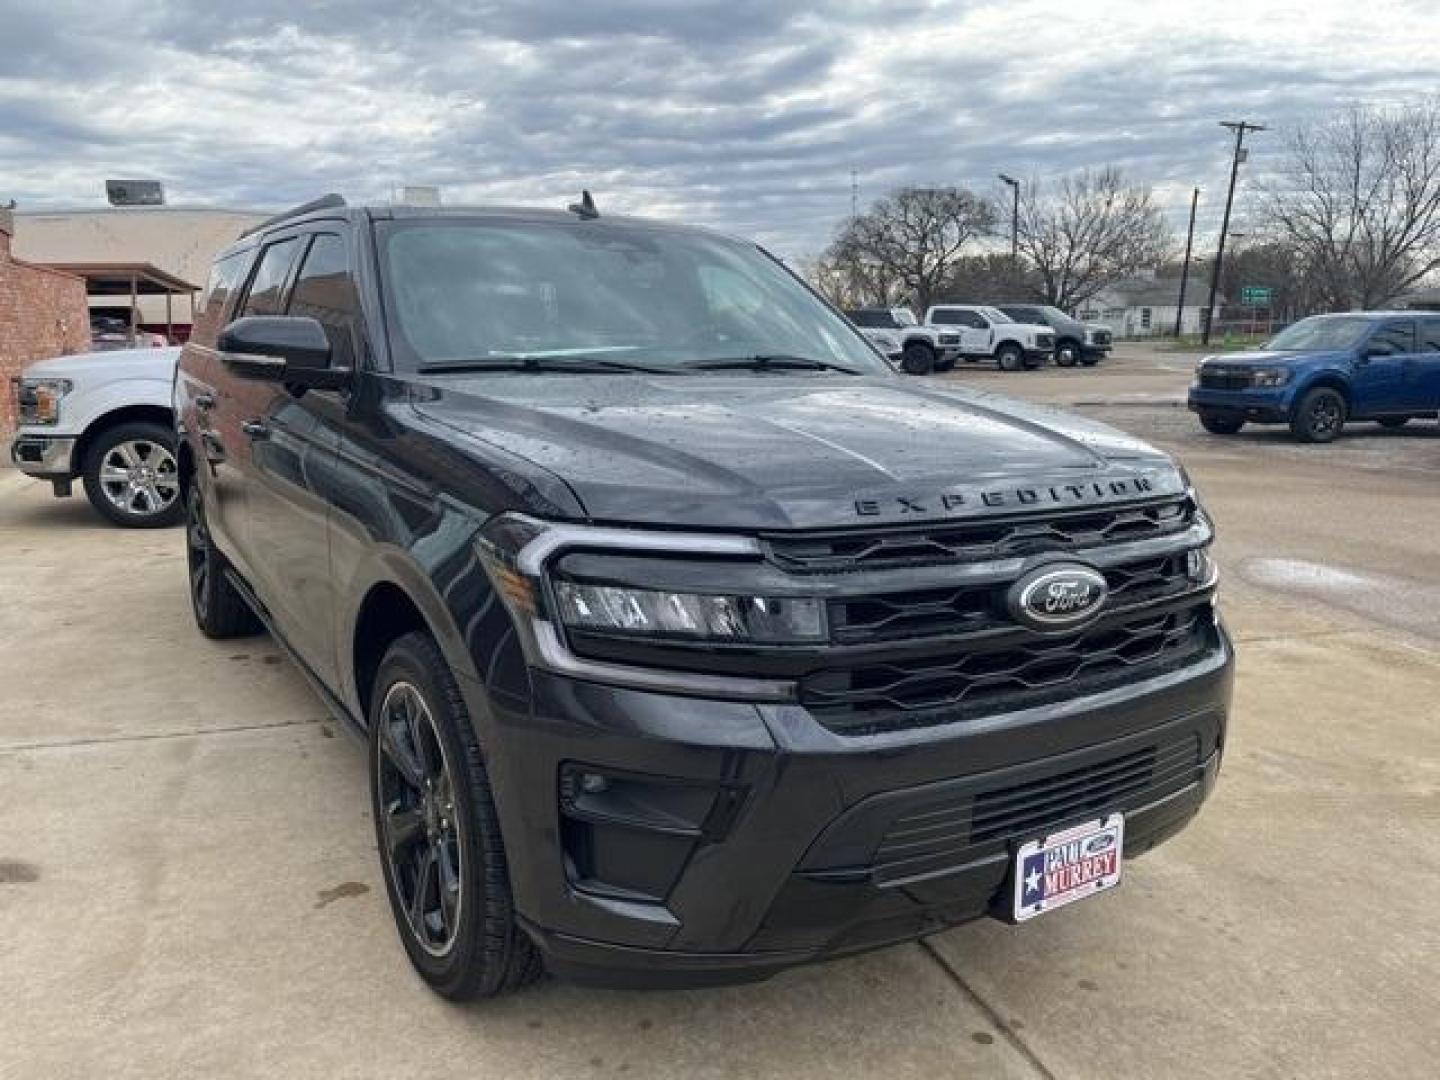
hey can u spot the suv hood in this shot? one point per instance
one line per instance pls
(1263, 358)
(780, 451)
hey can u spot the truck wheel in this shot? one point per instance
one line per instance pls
(1393, 421)
(1221, 423)
(439, 835)
(220, 612)
(1067, 353)
(1010, 358)
(917, 359)
(1320, 416)
(131, 478)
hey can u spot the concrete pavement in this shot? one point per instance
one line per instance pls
(188, 884)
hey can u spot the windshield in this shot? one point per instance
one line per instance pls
(1319, 333)
(904, 316)
(872, 319)
(460, 291)
(994, 314)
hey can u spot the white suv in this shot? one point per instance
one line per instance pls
(106, 419)
(987, 333)
(918, 350)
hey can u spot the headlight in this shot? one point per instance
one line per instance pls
(38, 400)
(1277, 376)
(647, 613)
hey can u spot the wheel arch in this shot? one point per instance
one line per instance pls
(1328, 380)
(127, 414)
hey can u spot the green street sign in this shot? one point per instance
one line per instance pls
(1255, 295)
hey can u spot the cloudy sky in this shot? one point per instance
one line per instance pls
(748, 115)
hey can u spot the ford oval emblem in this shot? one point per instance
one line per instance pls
(1058, 597)
(1097, 844)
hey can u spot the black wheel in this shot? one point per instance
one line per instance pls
(1010, 358)
(1319, 417)
(131, 478)
(219, 610)
(917, 358)
(1393, 421)
(1067, 353)
(1221, 423)
(438, 833)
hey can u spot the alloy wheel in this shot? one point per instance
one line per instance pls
(421, 829)
(1325, 417)
(139, 477)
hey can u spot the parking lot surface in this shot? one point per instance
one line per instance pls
(188, 885)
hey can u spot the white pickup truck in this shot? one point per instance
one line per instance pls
(106, 419)
(987, 333)
(918, 349)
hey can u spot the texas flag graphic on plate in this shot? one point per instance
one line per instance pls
(1067, 866)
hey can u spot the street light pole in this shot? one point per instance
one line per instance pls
(1185, 266)
(1014, 216)
(1240, 127)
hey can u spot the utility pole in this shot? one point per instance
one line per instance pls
(1240, 127)
(854, 195)
(1185, 266)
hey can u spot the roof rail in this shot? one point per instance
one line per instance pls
(325, 202)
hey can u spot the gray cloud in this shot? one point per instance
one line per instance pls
(748, 115)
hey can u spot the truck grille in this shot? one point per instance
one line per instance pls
(1102, 337)
(949, 339)
(978, 540)
(1223, 379)
(956, 829)
(1045, 341)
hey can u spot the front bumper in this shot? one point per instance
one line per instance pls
(736, 839)
(50, 457)
(1261, 406)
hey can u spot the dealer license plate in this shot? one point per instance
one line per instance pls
(1067, 866)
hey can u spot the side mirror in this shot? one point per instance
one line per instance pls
(280, 348)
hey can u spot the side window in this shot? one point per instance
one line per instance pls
(270, 277)
(974, 320)
(325, 291)
(224, 278)
(1392, 338)
(946, 317)
(1429, 336)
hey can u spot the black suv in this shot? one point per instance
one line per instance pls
(1075, 341)
(691, 642)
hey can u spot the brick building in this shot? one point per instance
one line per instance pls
(43, 312)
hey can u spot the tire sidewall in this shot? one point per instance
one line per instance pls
(917, 358)
(1067, 355)
(1010, 358)
(462, 972)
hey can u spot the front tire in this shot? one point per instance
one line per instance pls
(1220, 423)
(441, 852)
(1010, 358)
(131, 477)
(1067, 353)
(917, 359)
(1320, 416)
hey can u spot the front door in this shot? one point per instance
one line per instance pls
(293, 440)
(1379, 384)
(975, 333)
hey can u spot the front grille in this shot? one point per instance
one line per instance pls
(978, 540)
(1102, 337)
(956, 829)
(949, 339)
(1045, 341)
(1224, 379)
(956, 685)
(932, 612)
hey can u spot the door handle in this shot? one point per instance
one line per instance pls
(256, 429)
(204, 402)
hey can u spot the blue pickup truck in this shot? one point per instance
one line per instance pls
(1324, 371)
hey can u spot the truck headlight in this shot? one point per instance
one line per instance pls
(1276, 376)
(38, 400)
(648, 613)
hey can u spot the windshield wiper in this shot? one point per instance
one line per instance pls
(770, 362)
(569, 363)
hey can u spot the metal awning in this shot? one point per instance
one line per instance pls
(133, 280)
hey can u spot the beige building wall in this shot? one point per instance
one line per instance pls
(176, 239)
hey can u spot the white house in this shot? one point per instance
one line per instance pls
(1145, 306)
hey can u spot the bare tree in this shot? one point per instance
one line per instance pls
(905, 245)
(1090, 229)
(1359, 201)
